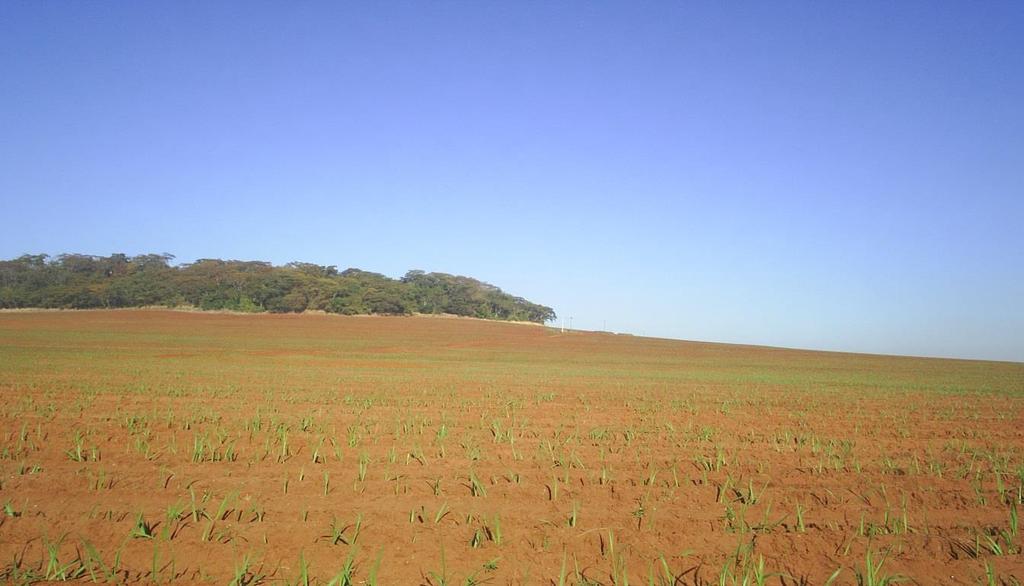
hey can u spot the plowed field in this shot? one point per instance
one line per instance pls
(157, 446)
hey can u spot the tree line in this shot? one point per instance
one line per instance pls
(79, 281)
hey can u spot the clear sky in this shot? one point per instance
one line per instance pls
(834, 175)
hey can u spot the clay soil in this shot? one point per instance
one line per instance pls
(156, 446)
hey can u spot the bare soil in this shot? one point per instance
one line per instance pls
(141, 446)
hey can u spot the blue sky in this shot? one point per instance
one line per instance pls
(845, 176)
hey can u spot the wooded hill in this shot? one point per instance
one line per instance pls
(77, 281)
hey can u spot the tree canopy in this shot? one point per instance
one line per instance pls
(79, 281)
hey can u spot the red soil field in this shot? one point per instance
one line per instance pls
(155, 446)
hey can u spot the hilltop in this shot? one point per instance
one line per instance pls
(78, 281)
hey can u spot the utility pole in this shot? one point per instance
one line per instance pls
(570, 322)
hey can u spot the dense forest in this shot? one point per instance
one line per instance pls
(77, 281)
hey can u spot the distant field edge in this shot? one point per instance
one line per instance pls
(453, 317)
